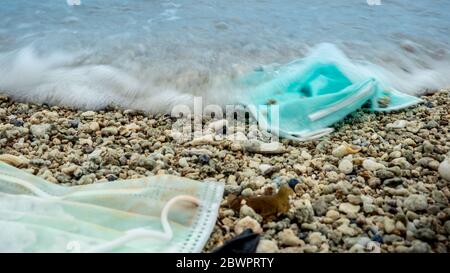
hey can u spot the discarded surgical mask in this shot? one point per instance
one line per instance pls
(156, 214)
(302, 99)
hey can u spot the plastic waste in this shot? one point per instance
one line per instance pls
(246, 242)
(302, 99)
(155, 214)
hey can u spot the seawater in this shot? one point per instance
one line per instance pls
(152, 55)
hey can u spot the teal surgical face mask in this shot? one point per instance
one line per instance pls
(313, 93)
(155, 214)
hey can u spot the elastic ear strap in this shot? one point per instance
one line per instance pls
(137, 233)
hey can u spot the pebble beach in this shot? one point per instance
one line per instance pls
(379, 183)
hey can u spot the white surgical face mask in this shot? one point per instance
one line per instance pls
(155, 214)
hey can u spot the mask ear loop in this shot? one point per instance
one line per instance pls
(140, 233)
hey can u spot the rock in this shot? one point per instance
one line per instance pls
(346, 230)
(94, 126)
(256, 146)
(393, 182)
(182, 162)
(202, 140)
(288, 238)
(444, 169)
(18, 162)
(416, 202)
(305, 155)
(384, 174)
(248, 211)
(372, 165)
(440, 198)
(398, 124)
(420, 247)
(293, 182)
(88, 115)
(267, 169)
(86, 179)
(389, 225)
(354, 200)
(267, 246)
(447, 227)
(40, 130)
(332, 214)
(247, 223)
(391, 238)
(345, 149)
(303, 211)
(346, 166)
(427, 147)
(247, 192)
(219, 125)
(348, 208)
(203, 159)
(402, 163)
(320, 207)
(109, 131)
(316, 238)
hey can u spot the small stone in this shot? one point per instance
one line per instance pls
(293, 182)
(348, 208)
(320, 207)
(267, 246)
(219, 125)
(266, 169)
(203, 159)
(346, 166)
(86, 179)
(346, 230)
(384, 174)
(41, 130)
(288, 238)
(440, 198)
(398, 124)
(182, 162)
(372, 165)
(427, 147)
(316, 238)
(303, 211)
(248, 211)
(332, 214)
(247, 223)
(94, 126)
(447, 227)
(393, 182)
(305, 155)
(73, 123)
(391, 238)
(88, 114)
(444, 169)
(247, 192)
(416, 202)
(389, 225)
(109, 131)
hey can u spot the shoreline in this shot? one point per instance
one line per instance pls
(387, 197)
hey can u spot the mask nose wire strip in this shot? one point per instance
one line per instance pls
(140, 233)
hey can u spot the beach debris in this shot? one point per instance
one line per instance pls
(246, 242)
(346, 149)
(266, 206)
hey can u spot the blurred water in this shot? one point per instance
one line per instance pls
(152, 54)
